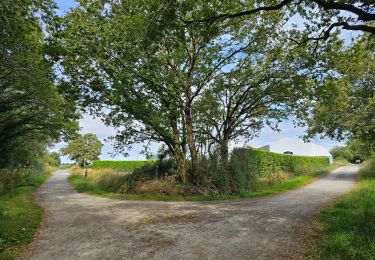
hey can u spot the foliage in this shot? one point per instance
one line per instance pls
(52, 159)
(319, 17)
(168, 187)
(351, 152)
(12, 178)
(247, 173)
(342, 151)
(127, 166)
(243, 169)
(347, 228)
(344, 102)
(267, 162)
(32, 110)
(21, 216)
(83, 149)
(145, 71)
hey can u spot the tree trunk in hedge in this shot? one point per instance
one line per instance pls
(191, 142)
(224, 152)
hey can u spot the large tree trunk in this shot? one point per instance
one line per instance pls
(179, 153)
(191, 141)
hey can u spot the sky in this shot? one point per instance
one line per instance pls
(89, 124)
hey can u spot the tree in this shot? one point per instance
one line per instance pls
(139, 66)
(344, 103)
(32, 109)
(324, 16)
(260, 93)
(53, 159)
(83, 149)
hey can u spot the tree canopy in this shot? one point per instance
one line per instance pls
(83, 149)
(344, 104)
(32, 110)
(140, 67)
(321, 17)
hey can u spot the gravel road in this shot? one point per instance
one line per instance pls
(81, 226)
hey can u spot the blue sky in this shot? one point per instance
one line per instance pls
(94, 125)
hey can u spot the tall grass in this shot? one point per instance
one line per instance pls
(346, 230)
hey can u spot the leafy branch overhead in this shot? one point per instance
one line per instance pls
(354, 15)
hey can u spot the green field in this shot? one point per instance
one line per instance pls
(20, 217)
(121, 165)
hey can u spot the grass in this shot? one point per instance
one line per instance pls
(346, 229)
(20, 217)
(83, 184)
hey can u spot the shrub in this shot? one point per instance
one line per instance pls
(122, 165)
(243, 170)
(11, 178)
(341, 159)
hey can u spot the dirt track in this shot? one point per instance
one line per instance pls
(81, 226)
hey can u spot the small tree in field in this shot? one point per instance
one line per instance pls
(83, 149)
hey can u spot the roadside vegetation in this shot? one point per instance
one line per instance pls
(258, 173)
(346, 229)
(127, 166)
(20, 215)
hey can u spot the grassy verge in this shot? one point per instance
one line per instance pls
(346, 229)
(20, 217)
(83, 184)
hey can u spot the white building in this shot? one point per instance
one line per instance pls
(297, 147)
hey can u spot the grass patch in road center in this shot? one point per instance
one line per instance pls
(346, 229)
(20, 217)
(83, 184)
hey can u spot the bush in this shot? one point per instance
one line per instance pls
(243, 170)
(342, 151)
(341, 159)
(122, 165)
(12, 178)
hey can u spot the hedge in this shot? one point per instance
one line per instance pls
(251, 169)
(268, 162)
(121, 165)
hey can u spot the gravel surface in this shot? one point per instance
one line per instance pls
(81, 226)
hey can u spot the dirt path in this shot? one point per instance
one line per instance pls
(81, 226)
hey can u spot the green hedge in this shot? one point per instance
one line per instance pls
(251, 169)
(121, 165)
(267, 162)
